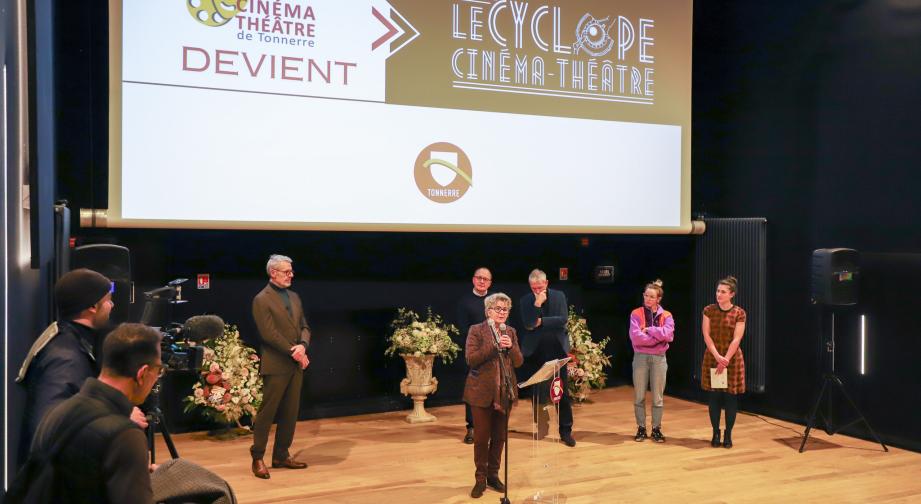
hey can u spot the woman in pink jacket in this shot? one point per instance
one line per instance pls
(651, 330)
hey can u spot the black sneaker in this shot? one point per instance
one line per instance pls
(715, 442)
(640, 434)
(468, 438)
(657, 435)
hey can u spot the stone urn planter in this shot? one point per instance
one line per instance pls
(418, 384)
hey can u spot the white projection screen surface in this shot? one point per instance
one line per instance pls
(549, 116)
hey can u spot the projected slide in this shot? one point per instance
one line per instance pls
(464, 115)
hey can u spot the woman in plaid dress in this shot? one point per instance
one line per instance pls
(723, 327)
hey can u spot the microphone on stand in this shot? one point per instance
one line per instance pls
(502, 329)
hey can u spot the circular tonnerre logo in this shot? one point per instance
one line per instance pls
(443, 172)
(215, 12)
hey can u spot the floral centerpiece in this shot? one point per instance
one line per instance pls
(230, 386)
(586, 369)
(419, 341)
(413, 335)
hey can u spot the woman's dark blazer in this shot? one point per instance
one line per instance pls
(482, 387)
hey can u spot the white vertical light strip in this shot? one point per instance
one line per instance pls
(863, 344)
(6, 295)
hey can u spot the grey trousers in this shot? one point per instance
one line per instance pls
(648, 371)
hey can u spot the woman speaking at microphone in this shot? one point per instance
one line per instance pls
(491, 389)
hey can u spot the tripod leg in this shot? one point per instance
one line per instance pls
(161, 423)
(863, 418)
(811, 421)
(169, 442)
(151, 422)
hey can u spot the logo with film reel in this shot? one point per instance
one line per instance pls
(593, 37)
(215, 13)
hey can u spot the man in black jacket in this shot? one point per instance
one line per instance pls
(543, 315)
(107, 460)
(472, 311)
(65, 354)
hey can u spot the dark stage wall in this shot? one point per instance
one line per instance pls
(804, 114)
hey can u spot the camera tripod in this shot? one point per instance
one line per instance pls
(157, 421)
(830, 380)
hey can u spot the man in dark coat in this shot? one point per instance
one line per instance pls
(471, 311)
(543, 316)
(106, 459)
(64, 356)
(285, 337)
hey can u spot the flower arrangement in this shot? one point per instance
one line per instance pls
(417, 336)
(229, 387)
(586, 369)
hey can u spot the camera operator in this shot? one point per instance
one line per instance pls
(64, 356)
(106, 460)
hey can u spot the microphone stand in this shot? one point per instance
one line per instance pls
(506, 401)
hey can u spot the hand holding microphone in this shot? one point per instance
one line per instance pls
(505, 341)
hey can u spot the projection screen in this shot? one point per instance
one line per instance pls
(401, 115)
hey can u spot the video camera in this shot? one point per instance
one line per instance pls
(179, 344)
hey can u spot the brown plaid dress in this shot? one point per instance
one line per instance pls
(722, 328)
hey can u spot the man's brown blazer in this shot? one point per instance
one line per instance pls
(279, 330)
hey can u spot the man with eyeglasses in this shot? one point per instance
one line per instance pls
(469, 313)
(65, 354)
(285, 335)
(543, 315)
(104, 456)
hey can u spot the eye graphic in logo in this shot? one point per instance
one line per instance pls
(592, 36)
(443, 172)
(215, 12)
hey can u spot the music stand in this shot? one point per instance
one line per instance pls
(545, 463)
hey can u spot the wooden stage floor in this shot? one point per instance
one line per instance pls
(381, 459)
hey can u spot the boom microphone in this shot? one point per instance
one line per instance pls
(203, 327)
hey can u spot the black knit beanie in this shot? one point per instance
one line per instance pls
(78, 290)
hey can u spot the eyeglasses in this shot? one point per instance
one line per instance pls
(161, 369)
(499, 309)
(482, 278)
(287, 273)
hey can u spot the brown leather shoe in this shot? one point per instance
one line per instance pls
(260, 470)
(495, 483)
(288, 463)
(477, 491)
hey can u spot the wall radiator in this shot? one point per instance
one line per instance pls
(736, 247)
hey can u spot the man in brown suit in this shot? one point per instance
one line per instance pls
(285, 337)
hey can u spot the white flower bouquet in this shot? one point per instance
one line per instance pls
(416, 336)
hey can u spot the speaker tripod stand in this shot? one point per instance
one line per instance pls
(830, 381)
